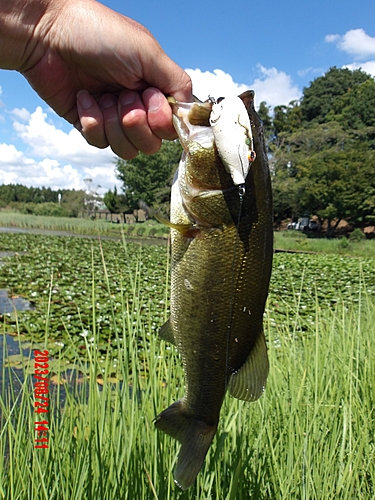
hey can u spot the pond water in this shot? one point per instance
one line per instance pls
(9, 345)
(12, 348)
(10, 304)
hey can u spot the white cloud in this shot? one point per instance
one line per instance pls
(53, 158)
(273, 86)
(16, 167)
(368, 67)
(315, 71)
(9, 155)
(21, 113)
(51, 172)
(332, 38)
(216, 84)
(355, 42)
(358, 44)
(103, 176)
(45, 140)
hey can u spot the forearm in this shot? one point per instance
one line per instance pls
(19, 24)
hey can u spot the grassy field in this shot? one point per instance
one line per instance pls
(82, 226)
(310, 436)
(297, 241)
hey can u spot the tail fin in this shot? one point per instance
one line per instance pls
(195, 437)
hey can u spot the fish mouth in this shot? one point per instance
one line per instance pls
(222, 125)
(194, 122)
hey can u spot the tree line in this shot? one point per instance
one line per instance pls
(321, 150)
(42, 200)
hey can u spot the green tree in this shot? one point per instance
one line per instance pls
(111, 201)
(286, 118)
(48, 208)
(319, 98)
(356, 108)
(72, 201)
(116, 203)
(324, 151)
(264, 113)
(148, 178)
(325, 171)
(23, 198)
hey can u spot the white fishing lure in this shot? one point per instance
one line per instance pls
(231, 127)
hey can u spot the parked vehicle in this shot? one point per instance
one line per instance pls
(304, 224)
(314, 225)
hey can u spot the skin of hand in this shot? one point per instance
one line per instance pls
(101, 71)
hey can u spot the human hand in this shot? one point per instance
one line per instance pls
(104, 73)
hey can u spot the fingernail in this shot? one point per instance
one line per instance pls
(127, 98)
(84, 99)
(154, 102)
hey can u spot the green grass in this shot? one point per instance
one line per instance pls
(147, 229)
(297, 241)
(310, 436)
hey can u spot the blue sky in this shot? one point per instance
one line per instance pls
(273, 47)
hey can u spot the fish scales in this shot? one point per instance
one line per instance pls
(221, 249)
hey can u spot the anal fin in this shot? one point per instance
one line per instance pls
(249, 382)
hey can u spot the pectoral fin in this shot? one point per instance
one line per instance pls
(166, 333)
(249, 381)
(187, 230)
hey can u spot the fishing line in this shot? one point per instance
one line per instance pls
(241, 194)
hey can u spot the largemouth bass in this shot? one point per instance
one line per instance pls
(221, 241)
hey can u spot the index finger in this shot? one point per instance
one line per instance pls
(163, 73)
(159, 114)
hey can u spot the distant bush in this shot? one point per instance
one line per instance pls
(343, 243)
(49, 208)
(129, 228)
(357, 235)
(46, 209)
